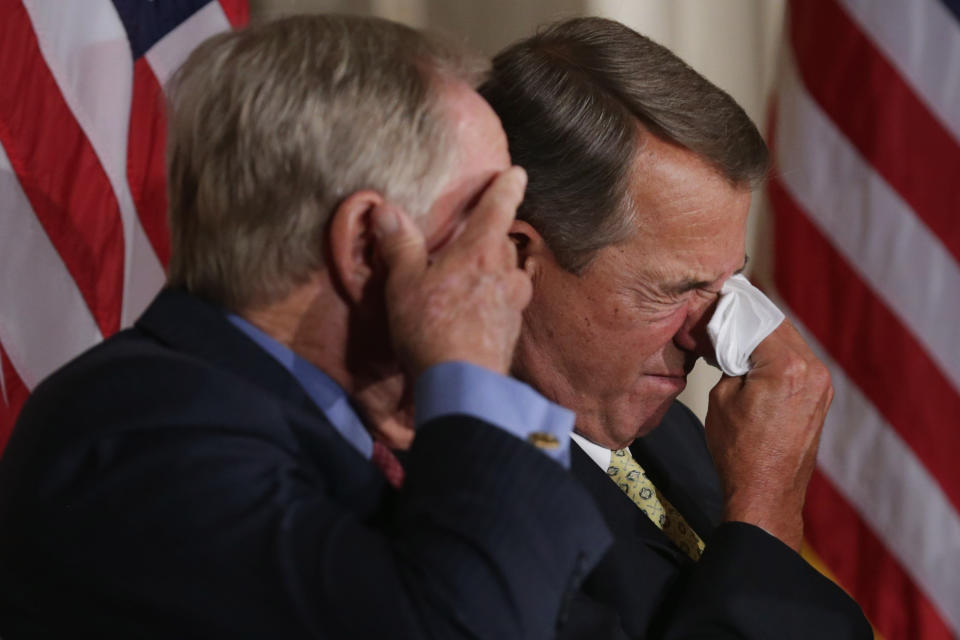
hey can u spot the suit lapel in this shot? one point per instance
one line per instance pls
(641, 566)
(625, 520)
(675, 457)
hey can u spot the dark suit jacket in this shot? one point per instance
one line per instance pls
(747, 584)
(175, 481)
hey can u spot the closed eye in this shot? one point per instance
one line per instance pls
(684, 286)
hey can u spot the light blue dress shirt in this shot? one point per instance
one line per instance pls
(445, 389)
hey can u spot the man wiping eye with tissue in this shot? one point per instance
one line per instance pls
(634, 219)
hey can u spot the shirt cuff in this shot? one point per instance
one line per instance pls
(451, 388)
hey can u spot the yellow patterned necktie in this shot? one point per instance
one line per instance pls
(633, 480)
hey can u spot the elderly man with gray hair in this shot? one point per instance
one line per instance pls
(633, 224)
(223, 469)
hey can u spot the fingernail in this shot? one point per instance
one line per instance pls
(522, 174)
(385, 220)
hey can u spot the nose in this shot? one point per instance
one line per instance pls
(692, 335)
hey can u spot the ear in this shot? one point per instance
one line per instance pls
(532, 250)
(352, 242)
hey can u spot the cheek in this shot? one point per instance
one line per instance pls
(672, 323)
(585, 340)
(615, 348)
(652, 331)
(643, 349)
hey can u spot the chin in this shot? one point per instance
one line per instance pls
(654, 417)
(625, 419)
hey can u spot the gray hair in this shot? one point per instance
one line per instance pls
(576, 101)
(273, 126)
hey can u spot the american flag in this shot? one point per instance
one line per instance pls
(866, 211)
(866, 201)
(83, 236)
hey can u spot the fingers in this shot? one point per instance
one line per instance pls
(783, 353)
(725, 388)
(400, 242)
(521, 289)
(497, 208)
(784, 336)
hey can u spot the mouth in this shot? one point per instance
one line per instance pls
(670, 383)
(671, 374)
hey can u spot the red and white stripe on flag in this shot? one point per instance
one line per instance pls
(83, 237)
(866, 204)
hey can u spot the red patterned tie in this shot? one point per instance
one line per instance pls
(388, 464)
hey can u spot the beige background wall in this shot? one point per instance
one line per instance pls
(733, 43)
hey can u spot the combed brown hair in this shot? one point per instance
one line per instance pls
(273, 126)
(576, 100)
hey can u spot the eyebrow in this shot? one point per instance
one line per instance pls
(689, 284)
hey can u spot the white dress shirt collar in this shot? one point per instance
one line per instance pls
(598, 454)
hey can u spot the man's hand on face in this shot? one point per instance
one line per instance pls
(763, 430)
(465, 304)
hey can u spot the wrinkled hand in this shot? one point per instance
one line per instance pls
(763, 430)
(467, 303)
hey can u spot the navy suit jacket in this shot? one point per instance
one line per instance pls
(747, 585)
(176, 482)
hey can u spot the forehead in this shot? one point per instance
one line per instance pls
(476, 129)
(667, 178)
(688, 216)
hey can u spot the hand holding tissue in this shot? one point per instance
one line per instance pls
(744, 317)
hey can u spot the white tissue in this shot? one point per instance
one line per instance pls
(743, 319)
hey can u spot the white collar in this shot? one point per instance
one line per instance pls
(600, 455)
